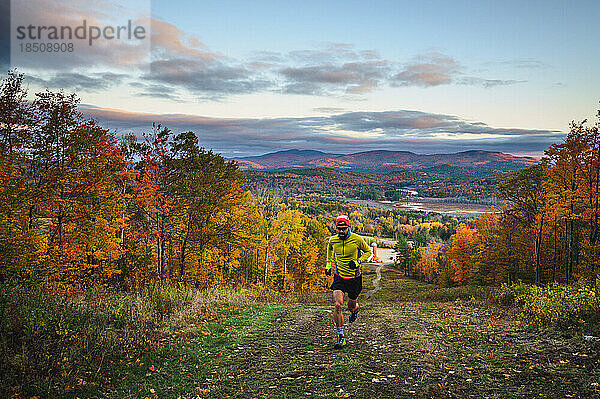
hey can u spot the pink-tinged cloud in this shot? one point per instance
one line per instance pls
(337, 69)
(430, 69)
(342, 133)
(169, 41)
(110, 55)
(427, 122)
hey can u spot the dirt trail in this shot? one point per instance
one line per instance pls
(387, 256)
(375, 283)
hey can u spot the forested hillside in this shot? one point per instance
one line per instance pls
(83, 207)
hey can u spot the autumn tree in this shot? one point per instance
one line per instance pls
(428, 265)
(565, 187)
(78, 206)
(525, 192)
(74, 167)
(591, 193)
(301, 249)
(210, 188)
(268, 204)
(153, 194)
(20, 244)
(460, 254)
(289, 229)
(444, 271)
(59, 195)
(16, 116)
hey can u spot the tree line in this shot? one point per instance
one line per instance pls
(80, 206)
(548, 229)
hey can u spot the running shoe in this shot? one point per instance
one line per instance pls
(341, 342)
(353, 315)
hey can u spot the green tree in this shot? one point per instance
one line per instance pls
(210, 189)
(403, 251)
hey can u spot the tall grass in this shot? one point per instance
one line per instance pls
(51, 341)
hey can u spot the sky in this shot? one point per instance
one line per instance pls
(252, 77)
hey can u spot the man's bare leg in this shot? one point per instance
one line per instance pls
(338, 297)
(353, 308)
(352, 304)
(338, 316)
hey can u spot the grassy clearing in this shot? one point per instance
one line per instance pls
(572, 309)
(411, 340)
(206, 359)
(466, 293)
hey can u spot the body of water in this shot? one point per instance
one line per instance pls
(454, 209)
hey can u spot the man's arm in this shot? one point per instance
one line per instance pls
(329, 256)
(366, 250)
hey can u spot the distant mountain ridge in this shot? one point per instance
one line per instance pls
(282, 159)
(384, 161)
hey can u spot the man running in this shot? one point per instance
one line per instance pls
(345, 248)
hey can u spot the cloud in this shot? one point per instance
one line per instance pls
(521, 63)
(103, 54)
(79, 82)
(393, 122)
(487, 83)
(180, 65)
(329, 52)
(155, 90)
(435, 69)
(336, 69)
(269, 57)
(353, 78)
(212, 80)
(431, 69)
(329, 110)
(168, 41)
(341, 133)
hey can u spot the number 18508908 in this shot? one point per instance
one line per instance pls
(46, 47)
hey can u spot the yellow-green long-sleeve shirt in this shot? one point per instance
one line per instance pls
(343, 251)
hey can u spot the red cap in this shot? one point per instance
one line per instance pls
(342, 220)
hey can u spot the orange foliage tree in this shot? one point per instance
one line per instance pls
(459, 256)
(573, 187)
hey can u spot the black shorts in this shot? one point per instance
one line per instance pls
(353, 286)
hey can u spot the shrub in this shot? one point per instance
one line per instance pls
(47, 336)
(512, 295)
(562, 305)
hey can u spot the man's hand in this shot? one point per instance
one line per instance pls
(352, 264)
(328, 271)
